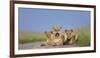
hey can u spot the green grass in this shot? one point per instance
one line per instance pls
(30, 37)
(84, 37)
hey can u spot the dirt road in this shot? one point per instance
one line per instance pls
(37, 45)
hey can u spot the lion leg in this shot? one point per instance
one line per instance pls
(76, 38)
(70, 42)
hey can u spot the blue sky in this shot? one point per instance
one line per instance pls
(40, 20)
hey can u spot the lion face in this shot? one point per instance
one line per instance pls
(69, 33)
(48, 34)
(56, 31)
(71, 36)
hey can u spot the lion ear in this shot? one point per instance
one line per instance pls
(66, 30)
(71, 30)
(45, 32)
(60, 27)
(51, 32)
(53, 28)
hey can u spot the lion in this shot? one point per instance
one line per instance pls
(49, 39)
(57, 36)
(70, 36)
(54, 38)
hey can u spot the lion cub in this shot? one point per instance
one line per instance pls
(70, 37)
(54, 37)
(57, 36)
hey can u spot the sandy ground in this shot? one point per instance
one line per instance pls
(37, 45)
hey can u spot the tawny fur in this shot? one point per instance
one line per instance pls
(57, 38)
(70, 36)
